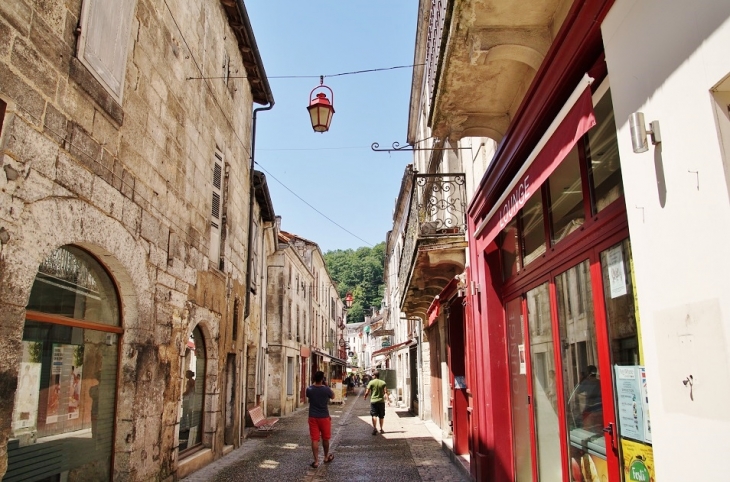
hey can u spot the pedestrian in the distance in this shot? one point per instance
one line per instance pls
(320, 422)
(378, 394)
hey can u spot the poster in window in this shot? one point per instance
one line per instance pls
(74, 397)
(616, 272)
(523, 362)
(25, 413)
(54, 384)
(630, 408)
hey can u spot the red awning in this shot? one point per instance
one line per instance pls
(388, 349)
(578, 120)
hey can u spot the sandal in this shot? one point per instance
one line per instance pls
(329, 458)
(314, 465)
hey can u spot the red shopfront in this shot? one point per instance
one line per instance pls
(552, 317)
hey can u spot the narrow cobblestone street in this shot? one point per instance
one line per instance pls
(409, 450)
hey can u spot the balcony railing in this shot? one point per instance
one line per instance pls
(437, 210)
(435, 39)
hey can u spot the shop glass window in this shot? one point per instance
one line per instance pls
(566, 197)
(533, 229)
(63, 416)
(509, 247)
(604, 165)
(620, 302)
(191, 422)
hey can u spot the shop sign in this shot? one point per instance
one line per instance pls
(638, 461)
(638, 471)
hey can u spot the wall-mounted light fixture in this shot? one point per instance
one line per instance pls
(639, 132)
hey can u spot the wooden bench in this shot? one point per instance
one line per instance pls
(259, 419)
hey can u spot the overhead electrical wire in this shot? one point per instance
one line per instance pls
(315, 209)
(310, 76)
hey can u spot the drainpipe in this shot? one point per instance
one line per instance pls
(247, 309)
(419, 368)
(247, 31)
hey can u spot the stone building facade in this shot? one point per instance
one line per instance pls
(304, 315)
(289, 331)
(125, 214)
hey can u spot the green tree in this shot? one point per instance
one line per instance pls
(359, 272)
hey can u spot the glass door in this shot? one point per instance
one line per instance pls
(633, 427)
(581, 375)
(521, 420)
(543, 383)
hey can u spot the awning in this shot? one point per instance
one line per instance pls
(338, 361)
(435, 309)
(388, 349)
(572, 122)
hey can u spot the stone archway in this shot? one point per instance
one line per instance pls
(44, 226)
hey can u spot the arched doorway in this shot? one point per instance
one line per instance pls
(190, 433)
(63, 417)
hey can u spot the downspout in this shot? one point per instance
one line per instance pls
(259, 75)
(249, 255)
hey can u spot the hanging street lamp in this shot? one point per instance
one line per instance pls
(348, 300)
(321, 108)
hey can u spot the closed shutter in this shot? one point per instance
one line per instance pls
(254, 256)
(105, 32)
(215, 210)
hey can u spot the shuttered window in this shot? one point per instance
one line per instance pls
(105, 32)
(254, 256)
(215, 210)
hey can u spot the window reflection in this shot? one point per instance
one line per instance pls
(63, 414)
(544, 398)
(566, 197)
(533, 229)
(509, 243)
(603, 158)
(584, 407)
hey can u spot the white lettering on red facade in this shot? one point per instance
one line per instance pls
(514, 202)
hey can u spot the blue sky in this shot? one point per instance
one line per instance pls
(335, 172)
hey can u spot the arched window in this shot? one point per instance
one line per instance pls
(191, 423)
(63, 416)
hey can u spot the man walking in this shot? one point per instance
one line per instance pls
(320, 422)
(378, 394)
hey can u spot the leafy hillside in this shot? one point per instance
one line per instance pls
(361, 273)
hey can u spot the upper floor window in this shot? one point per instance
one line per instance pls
(216, 210)
(105, 36)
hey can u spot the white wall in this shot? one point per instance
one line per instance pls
(663, 58)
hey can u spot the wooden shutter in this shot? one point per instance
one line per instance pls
(254, 256)
(105, 31)
(215, 210)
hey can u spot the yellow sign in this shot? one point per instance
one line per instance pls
(638, 461)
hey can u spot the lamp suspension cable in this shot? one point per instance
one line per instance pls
(355, 72)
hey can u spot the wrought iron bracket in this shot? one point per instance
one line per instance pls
(410, 147)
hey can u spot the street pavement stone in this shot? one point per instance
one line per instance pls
(409, 450)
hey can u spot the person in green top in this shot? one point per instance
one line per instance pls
(378, 395)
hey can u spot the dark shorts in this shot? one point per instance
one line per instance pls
(377, 409)
(320, 425)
